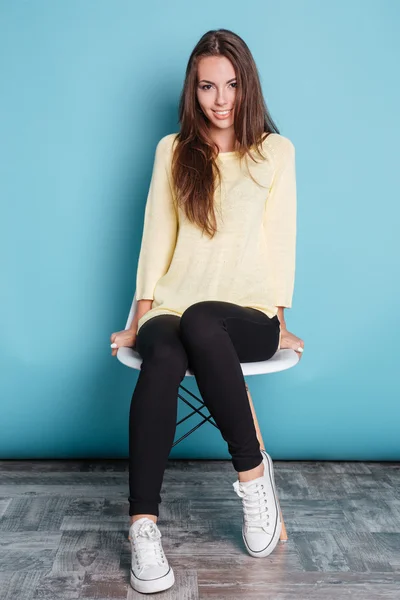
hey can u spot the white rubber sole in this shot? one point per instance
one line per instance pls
(146, 586)
(278, 529)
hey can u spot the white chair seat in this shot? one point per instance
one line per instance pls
(282, 359)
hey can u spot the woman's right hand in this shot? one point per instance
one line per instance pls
(124, 338)
(127, 337)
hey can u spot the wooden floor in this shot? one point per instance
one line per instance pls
(64, 528)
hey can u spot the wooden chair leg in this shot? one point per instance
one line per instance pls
(283, 537)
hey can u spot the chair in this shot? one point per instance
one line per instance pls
(282, 359)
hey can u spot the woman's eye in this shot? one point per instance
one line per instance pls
(207, 86)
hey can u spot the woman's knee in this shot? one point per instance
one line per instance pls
(158, 342)
(198, 323)
(166, 353)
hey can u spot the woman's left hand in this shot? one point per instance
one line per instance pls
(289, 340)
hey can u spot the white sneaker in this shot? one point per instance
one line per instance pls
(262, 523)
(150, 571)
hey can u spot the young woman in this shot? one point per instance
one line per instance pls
(215, 272)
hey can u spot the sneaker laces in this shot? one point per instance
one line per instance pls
(255, 504)
(147, 546)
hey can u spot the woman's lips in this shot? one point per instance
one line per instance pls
(223, 116)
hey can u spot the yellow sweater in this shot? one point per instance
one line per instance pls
(250, 261)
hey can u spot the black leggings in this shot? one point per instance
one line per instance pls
(212, 338)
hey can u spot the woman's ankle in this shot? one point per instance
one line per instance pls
(252, 473)
(140, 516)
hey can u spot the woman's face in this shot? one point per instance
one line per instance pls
(216, 90)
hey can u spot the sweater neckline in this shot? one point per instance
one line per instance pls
(233, 153)
(223, 155)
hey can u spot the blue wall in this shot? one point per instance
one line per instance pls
(88, 88)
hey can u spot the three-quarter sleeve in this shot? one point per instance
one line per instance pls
(159, 228)
(280, 225)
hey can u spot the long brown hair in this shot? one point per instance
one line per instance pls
(194, 167)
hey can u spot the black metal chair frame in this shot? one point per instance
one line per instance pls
(195, 410)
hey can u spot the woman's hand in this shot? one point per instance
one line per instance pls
(289, 340)
(126, 338)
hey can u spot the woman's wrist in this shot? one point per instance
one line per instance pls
(281, 317)
(143, 306)
(134, 325)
